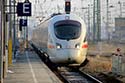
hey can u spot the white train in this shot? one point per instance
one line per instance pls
(63, 38)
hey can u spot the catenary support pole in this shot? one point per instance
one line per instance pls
(10, 36)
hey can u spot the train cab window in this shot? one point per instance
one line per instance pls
(67, 29)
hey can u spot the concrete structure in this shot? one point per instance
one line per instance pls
(28, 68)
(119, 34)
(1, 57)
(118, 63)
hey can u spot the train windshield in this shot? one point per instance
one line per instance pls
(67, 29)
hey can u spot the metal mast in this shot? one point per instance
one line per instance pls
(1, 56)
(96, 21)
(107, 23)
(120, 5)
(89, 21)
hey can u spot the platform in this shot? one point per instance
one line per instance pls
(28, 68)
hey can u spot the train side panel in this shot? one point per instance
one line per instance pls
(40, 36)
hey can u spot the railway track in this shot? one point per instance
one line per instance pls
(67, 75)
(76, 76)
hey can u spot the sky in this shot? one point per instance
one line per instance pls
(42, 9)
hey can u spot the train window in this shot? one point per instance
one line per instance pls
(67, 29)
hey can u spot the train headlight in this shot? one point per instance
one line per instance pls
(58, 46)
(77, 46)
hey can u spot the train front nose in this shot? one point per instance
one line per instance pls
(69, 56)
(75, 56)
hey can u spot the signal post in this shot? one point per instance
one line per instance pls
(67, 6)
(24, 9)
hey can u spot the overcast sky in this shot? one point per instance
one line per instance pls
(44, 8)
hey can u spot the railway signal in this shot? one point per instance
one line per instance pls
(67, 6)
(24, 9)
(23, 22)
